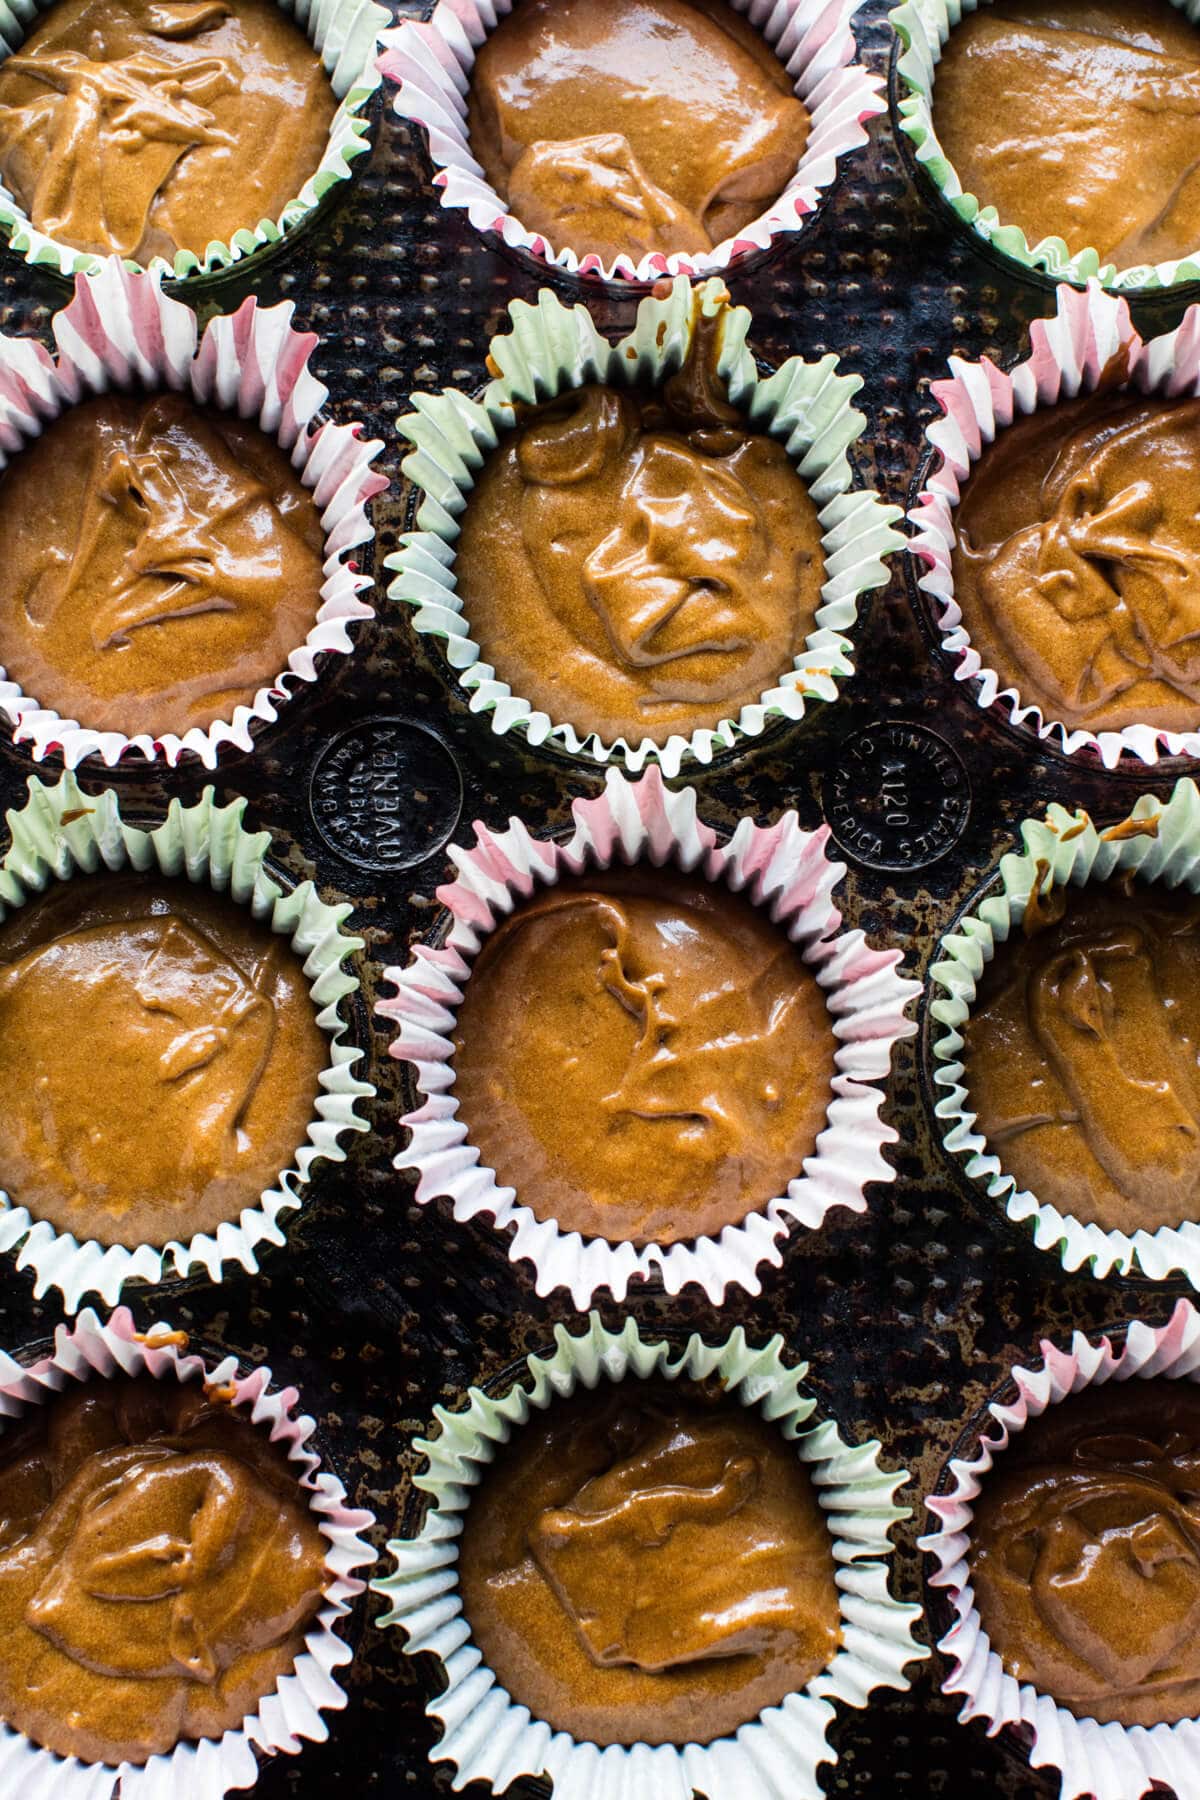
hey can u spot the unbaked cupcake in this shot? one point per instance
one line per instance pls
(635, 1553)
(1056, 535)
(560, 125)
(185, 138)
(642, 1055)
(1068, 1543)
(182, 1013)
(173, 1563)
(711, 1039)
(1066, 1011)
(647, 127)
(179, 552)
(651, 551)
(1064, 133)
(163, 560)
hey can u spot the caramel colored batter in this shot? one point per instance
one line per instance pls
(158, 1569)
(648, 1564)
(633, 126)
(1082, 1058)
(161, 564)
(638, 564)
(159, 1058)
(143, 127)
(643, 1056)
(1080, 121)
(1085, 1557)
(1077, 566)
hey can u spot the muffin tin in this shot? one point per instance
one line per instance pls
(378, 1309)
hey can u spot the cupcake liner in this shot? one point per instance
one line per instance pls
(1063, 847)
(208, 1768)
(550, 349)
(782, 869)
(61, 832)
(922, 26)
(431, 63)
(345, 34)
(1105, 1762)
(1091, 336)
(492, 1738)
(121, 331)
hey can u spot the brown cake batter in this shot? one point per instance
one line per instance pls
(159, 1058)
(1085, 1553)
(143, 127)
(637, 564)
(1081, 1057)
(649, 1564)
(159, 1566)
(643, 1056)
(1078, 119)
(636, 125)
(1077, 566)
(161, 564)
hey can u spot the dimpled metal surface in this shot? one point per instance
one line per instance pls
(378, 1309)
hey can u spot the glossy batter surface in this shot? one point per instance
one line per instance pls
(649, 1564)
(161, 564)
(1085, 1553)
(636, 125)
(159, 1566)
(1080, 121)
(159, 1058)
(637, 564)
(1082, 1057)
(143, 127)
(1077, 566)
(643, 1056)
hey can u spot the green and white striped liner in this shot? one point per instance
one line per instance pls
(552, 348)
(490, 1736)
(344, 33)
(62, 832)
(1063, 847)
(923, 27)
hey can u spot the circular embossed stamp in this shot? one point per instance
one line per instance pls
(899, 799)
(386, 794)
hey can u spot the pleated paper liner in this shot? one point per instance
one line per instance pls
(780, 868)
(1160, 842)
(550, 349)
(208, 1768)
(62, 833)
(346, 36)
(1092, 1761)
(922, 27)
(489, 1736)
(121, 331)
(1091, 337)
(431, 62)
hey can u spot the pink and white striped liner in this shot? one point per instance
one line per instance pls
(784, 870)
(431, 62)
(1091, 336)
(122, 331)
(204, 1770)
(1105, 1762)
